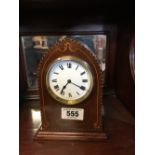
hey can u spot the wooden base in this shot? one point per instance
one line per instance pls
(80, 136)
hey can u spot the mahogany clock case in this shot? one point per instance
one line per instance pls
(53, 127)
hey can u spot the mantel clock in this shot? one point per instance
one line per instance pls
(70, 86)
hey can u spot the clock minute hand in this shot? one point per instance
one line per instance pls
(81, 87)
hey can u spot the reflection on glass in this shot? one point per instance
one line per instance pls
(40, 42)
(34, 47)
(100, 49)
(36, 117)
(132, 62)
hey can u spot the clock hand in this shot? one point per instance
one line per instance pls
(64, 87)
(81, 87)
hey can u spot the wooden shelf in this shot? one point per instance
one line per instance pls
(118, 124)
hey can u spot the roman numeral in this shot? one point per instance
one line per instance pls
(77, 67)
(54, 80)
(82, 73)
(77, 93)
(69, 94)
(69, 65)
(84, 80)
(61, 67)
(56, 87)
(56, 73)
(82, 88)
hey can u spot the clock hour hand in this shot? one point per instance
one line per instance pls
(64, 87)
(81, 87)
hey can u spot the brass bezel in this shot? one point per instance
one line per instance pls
(85, 65)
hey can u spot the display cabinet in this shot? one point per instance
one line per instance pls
(34, 46)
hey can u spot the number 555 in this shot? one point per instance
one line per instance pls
(73, 113)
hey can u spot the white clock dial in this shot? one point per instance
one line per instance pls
(69, 80)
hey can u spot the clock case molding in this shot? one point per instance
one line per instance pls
(109, 30)
(55, 128)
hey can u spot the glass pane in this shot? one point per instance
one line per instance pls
(35, 46)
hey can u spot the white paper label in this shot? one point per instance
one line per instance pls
(72, 113)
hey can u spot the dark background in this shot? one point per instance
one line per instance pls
(68, 16)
